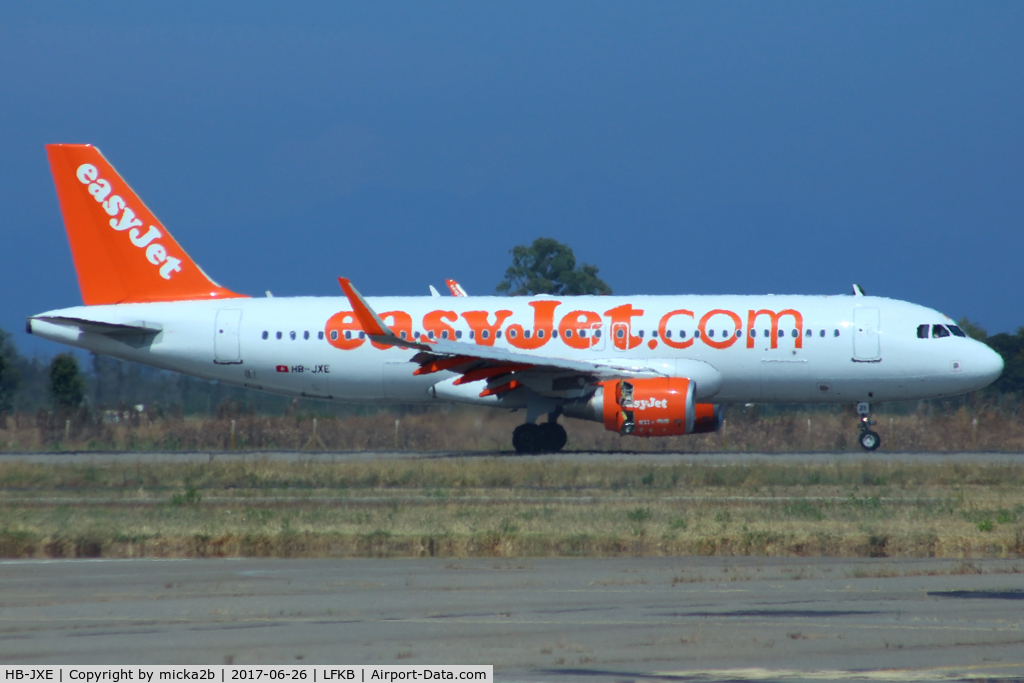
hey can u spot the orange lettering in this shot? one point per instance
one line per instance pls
(663, 328)
(543, 324)
(571, 325)
(797, 319)
(478, 323)
(432, 322)
(400, 322)
(621, 327)
(342, 331)
(714, 343)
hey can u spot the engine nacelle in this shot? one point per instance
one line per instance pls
(707, 417)
(661, 406)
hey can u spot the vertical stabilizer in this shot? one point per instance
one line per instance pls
(122, 253)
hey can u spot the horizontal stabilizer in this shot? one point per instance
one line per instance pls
(98, 327)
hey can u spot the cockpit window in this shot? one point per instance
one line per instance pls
(922, 331)
(939, 331)
(956, 331)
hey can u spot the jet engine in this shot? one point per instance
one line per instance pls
(660, 406)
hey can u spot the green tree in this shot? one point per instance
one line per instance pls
(67, 386)
(549, 267)
(9, 375)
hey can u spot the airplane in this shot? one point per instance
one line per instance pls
(643, 366)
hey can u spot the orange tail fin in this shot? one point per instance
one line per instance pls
(122, 253)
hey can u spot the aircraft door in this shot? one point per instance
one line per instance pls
(866, 345)
(226, 346)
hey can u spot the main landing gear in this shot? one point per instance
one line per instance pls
(547, 437)
(869, 440)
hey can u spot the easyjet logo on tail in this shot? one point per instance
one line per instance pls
(123, 218)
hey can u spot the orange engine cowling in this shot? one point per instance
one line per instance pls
(707, 418)
(661, 406)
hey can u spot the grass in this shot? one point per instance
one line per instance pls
(467, 429)
(501, 507)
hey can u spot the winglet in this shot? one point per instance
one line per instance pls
(371, 323)
(456, 288)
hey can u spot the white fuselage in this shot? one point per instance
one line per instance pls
(834, 349)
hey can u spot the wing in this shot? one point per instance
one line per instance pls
(503, 369)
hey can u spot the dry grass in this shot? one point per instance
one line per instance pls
(477, 430)
(501, 507)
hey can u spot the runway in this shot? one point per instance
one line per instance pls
(684, 619)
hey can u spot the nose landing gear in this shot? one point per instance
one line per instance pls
(869, 440)
(547, 437)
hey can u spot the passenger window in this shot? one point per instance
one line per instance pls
(526, 334)
(497, 335)
(291, 335)
(711, 333)
(796, 333)
(334, 335)
(956, 331)
(430, 334)
(348, 334)
(458, 334)
(540, 334)
(472, 334)
(696, 334)
(767, 333)
(402, 334)
(278, 335)
(485, 334)
(781, 334)
(739, 333)
(808, 333)
(568, 334)
(554, 334)
(922, 331)
(668, 334)
(305, 335)
(597, 333)
(512, 334)
(583, 333)
(620, 333)
(939, 331)
(416, 334)
(640, 334)
(362, 335)
(654, 334)
(752, 333)
(835, 333)
(265, 334)
(444, 334)
(821, 334)
(320, 334)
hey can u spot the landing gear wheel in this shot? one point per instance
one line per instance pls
(870, 440)
(552, 437)
(527, 438)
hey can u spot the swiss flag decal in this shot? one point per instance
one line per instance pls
(282, 368)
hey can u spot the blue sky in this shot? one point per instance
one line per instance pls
(680, 147)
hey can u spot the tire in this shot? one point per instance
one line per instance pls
(870, 441)
(527, 439)
(552, 437)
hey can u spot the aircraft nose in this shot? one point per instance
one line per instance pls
(987, 365)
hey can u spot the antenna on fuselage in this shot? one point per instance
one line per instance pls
(858, 290)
